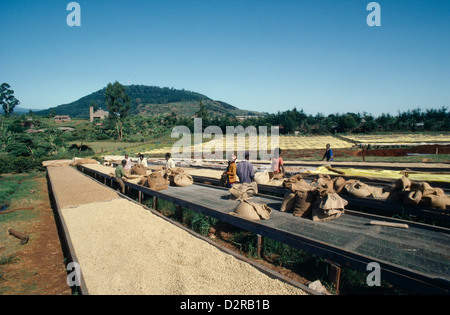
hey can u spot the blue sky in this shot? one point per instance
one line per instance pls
(264, 55)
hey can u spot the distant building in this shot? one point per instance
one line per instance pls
(62, 118)
(66, 129)
(98, 115)
(242, 118)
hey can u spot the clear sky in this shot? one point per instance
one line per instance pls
(264, 55)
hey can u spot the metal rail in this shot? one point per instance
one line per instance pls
(412, 279)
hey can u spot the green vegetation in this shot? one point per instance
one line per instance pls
(7, 99)
(27, 140)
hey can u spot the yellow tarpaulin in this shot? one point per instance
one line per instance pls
(419, 176)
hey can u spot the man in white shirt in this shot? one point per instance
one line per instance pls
(128, 164)
(169, 161)
(142, 160)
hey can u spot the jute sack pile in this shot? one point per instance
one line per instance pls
(252, 211)
(328, 206)
(317, 200)
(288, 182)
(156, 181)
(243, 191)
(138, 169)
(361, 190)
(177, 177)
(425, 195)
(402, 191)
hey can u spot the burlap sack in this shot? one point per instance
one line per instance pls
(319, 214)
(327, 207)
(413, 198)
(138, 169)
(378, 193)
(338, 184)
(262, 178)
(300, 185)
(287, 183)
(252, 211)
(434, 191)
(170, 174)
(331, 201)
(303, 203)
(435, 201)
(323, 182)
(156, 181)
(402, 184)
(243, 191)
(288, 202)
(183, 179)
(358, 189)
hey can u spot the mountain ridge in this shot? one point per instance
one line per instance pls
(150, 100)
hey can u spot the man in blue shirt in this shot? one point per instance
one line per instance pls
(328, 154)
(245, 170)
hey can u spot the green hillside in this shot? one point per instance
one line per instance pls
(149, 100)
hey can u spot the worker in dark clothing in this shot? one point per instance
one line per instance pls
(245, 170)
(328, 154)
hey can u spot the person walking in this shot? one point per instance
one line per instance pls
(328, 154)
(245, 170)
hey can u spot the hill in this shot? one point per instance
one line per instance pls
(150, 100)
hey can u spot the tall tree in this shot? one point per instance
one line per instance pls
(7, 99)
(117, 100)
(118, 103)
(202, 112)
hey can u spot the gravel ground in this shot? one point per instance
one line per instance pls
(124, 249)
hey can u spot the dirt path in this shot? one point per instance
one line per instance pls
(38, 267)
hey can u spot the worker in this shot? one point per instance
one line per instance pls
(328, 154)
(169, 161)
(245, 170)
(142, 160)
(231, 171)
(278, 164)
(120, 173)
(128, 163)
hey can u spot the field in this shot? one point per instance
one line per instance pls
(399, 139)
(285, 143)
(312, 148)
